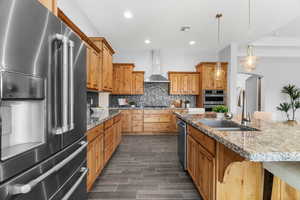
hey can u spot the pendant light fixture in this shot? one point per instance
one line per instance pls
(249, 63)
(218, 70)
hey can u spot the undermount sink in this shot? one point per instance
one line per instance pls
(226, 125)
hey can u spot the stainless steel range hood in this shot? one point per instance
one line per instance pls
(156, 74)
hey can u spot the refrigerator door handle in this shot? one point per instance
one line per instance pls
(65, 83)
(71, 84)
(26, 188)
(84, 171)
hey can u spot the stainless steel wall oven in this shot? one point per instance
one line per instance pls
(212, 98)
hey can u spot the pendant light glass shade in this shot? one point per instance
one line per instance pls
(218, 71)
(249, 63)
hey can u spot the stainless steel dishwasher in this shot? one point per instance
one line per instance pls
(182, 137)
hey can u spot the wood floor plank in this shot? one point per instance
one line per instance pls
(145, 167)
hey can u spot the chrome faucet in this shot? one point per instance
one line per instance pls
(245, 115)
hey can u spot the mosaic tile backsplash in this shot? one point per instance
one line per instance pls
(156, 94)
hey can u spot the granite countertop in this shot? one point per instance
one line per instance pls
(97, 119)
(275, 141)
(146, 108)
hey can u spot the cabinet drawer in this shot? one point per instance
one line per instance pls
(156, 127)
(94, 132)
(156, 112)
(157, 118)
(108, 123)
(208, 143)
(137, 126)
(135, 111)
(137, 117)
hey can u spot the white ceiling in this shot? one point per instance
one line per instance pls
(160, 21)
(292, 29)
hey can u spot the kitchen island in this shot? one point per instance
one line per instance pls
(227, 165)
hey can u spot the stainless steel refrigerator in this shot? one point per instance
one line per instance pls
(42, 105)
(253, 93)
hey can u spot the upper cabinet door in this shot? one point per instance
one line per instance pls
(194, 84)
(95, 69)
(110, 72)
(117, 76)
(99, 72)
(221, 83)
(92, 68)
(123, 78)
(106, 68)
(174, 83)
(138, 83)
(208, 77)
(184, 83)
(127, 80)
(88, 68)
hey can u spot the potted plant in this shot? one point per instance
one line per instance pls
(293, 105)
(220, 111)
(132, 104)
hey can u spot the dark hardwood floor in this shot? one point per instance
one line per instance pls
(145, 167)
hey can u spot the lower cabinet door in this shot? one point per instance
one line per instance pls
(91, 164)
(100, 148)
(205, 173)
(191, 160)
(127, 121)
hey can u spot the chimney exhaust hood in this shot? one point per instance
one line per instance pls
(156, 74)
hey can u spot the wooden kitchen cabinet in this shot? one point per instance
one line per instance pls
(138, 82)
(184, 83)
(105, 75)
(91, 164)
(50, 4)
(127, 121)
(93, 69)
(107, 69)
(205, 170)
(194, 85)
(123, 78)
(139, 121)
(133, 121)
(201, 162)
(103, 141)
(175, 83)
(99, 154)
(208, 77)
(127, 81)
(159, 121)
(209, 80)
(191, 156)
(95, 154)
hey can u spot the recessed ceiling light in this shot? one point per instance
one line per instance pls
(192, 42)
(147, 41)
(185, 28)
(128, 14)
